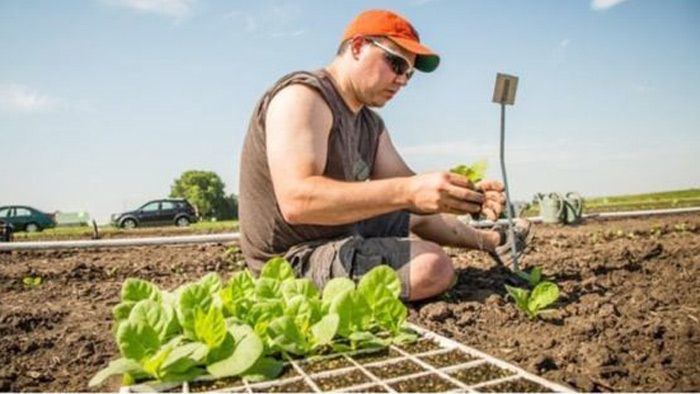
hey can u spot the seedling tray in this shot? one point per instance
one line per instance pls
(433, 364)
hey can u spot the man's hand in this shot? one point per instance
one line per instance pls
(494, 201)
(444, 192)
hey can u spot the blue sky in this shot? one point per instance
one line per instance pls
(103, 103)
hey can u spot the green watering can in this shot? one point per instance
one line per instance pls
(551, 207)
(573, 208)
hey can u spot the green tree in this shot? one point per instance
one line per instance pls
(203, 189)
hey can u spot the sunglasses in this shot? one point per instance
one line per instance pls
(399, 64)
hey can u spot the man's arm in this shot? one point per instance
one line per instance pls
(297, 126)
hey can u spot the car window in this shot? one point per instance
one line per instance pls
(23, 212)
(150, 207)
(4, 212)
(165, 205)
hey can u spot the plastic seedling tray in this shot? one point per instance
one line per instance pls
(433, 364)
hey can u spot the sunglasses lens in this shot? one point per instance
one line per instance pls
(397, 64)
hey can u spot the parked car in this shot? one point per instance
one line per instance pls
(24, 218)
(157, 213)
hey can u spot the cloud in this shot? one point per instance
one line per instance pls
(272, 19)
(176, 9)
(602, 5)
(22, 99)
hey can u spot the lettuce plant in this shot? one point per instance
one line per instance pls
(248, 325)
(533, 303)
(474, 173)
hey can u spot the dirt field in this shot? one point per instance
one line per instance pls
(628, 319)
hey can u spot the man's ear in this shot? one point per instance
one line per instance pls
(356, 46)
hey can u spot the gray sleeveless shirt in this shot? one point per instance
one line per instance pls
(352, 146)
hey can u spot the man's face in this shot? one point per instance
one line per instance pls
(377, 80)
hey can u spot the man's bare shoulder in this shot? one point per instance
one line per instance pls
(301, 101)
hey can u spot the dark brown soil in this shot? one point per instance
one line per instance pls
(453, 357)
(421, 346)
(480, 373)
(627, 320)
(516, 386)
(395, 369)
(200, 387)
(327, 364)
(373, 357)
(337, 381)
(370, 389)
(295, 386)
(423, 384)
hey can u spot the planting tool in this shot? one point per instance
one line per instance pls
(504, 94)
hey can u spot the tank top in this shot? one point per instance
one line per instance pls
(352, 146)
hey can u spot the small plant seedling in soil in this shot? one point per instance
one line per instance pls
(516, 386)
(533, 303)
(332, 382)
(32, 281)
(533, 278)
(423, 384)
(480, 373)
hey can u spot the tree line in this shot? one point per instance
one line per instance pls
(205, 191)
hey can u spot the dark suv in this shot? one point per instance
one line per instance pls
(158, 212)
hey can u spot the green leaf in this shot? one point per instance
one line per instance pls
(335, 287)
(211, 281)
(391, 314)
(520, 296)
(324, 330)
(152, 364)
(353, 311)
(136, 290)
(153, 314)
(266, 368)
(303, 287)
(277, 268)
(192, 297)
(264, 310)
(239, 331)
(268, 288)
(116, 367)
(196, 351)
(122, 310)
(236, 296)
(246, 354)
(474, 173)
(542, 295)
(210, 327)
(285, 335)
(304, 311)
(374, 282)
(224, 350)
(137, 340)
(535, 276)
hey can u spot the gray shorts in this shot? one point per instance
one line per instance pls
(376, 241)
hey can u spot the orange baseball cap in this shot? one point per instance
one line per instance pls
(397, 29)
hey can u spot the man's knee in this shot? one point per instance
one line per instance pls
(431, 270)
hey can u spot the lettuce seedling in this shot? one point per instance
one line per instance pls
(533, 278)
(474, 173)
(533, 303)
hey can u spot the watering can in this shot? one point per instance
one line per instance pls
(573, 208)
(551, 207)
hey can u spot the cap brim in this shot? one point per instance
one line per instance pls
(426, 60)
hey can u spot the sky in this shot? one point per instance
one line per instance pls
(104, 103)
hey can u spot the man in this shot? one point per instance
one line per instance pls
(322, 184)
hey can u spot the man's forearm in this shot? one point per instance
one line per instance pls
(324, 201)
(447, 230)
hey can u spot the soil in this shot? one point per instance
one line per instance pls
(376, 356)
(628, 318)
(370, 389)
(423, 384)
(480, 373)
(327, 364)
(295, 386)
(200, 387)
(337, 381)
(453, 357)
(395, 369)
(516, 386)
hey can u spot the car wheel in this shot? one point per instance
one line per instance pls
(32, 228)
(129, 224)
(182, 222)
